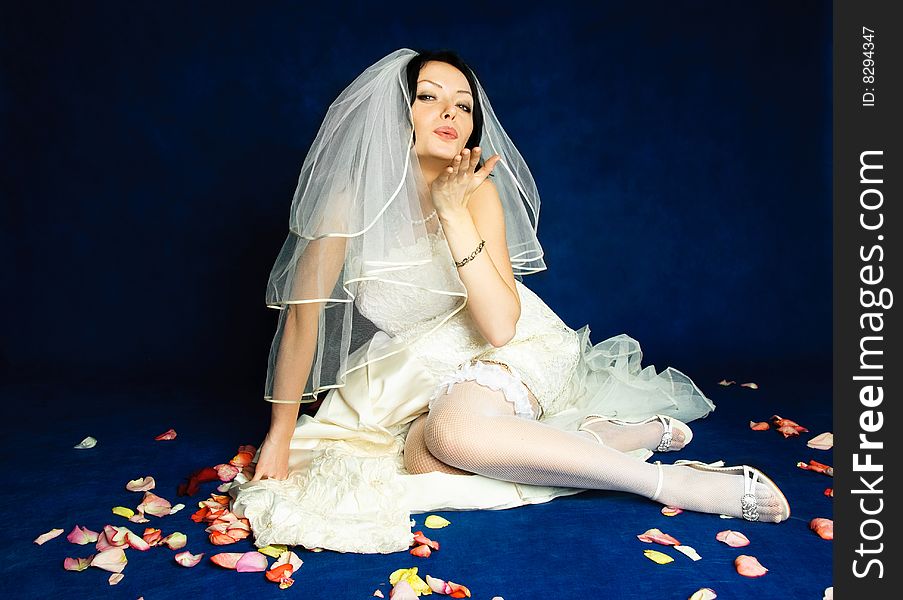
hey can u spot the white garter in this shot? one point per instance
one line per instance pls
(492, 376)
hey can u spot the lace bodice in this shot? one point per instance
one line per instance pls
(414, 295)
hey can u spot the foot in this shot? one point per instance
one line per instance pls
(721, 493)
(633, 437)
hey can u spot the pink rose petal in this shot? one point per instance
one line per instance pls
(81, 535)
(750, 385)
(656, 536)
(154, 505)
(113, 560)
(749, 566)
(726, 383)
(115, 578)
(227, 472)
(704, 594)
(823, 441)
(167, 435)
(141, 485)
(77, 564)
(403, 591)
(44, 537)
(671, 511)
(823, 527)
(734, 539)
(251, 562)
(187, 559)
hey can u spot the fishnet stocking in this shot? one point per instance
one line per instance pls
(417, 458)
(634, 437)
(474, 429)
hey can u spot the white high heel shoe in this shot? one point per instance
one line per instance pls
(669, 424)
(749, 505)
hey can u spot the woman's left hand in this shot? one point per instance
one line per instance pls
(452, 189)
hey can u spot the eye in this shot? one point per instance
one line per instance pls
(465, 107)
(423, 96)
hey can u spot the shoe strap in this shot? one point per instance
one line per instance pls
(661, 480)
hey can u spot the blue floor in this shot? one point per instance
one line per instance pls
(581, 546)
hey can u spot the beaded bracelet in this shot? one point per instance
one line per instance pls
(473, 255)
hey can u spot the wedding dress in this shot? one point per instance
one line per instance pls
(347, 488)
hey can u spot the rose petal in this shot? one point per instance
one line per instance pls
(251, 562)
(436, 522)
(175, 540)
(829, 593)
(749, 566)
(274, 550)
(817, 467)
(227, 560)
(671, 511)
(704, 594)
(423, 551)
(419, 538)
(780, 421)
(227, 472)
(44, 537)
(658, 557)
(829, 492)
(758, 426)
(823, 527)
(187, 559)
(788, 431)
(176, 508)
(77, 564)
(81, 535)
(750, 385)
(166, 435)
(458, 590)
(115, 578)
(88, 442)
(688, 551)
(438, 585)
(403, 591)
(823, 441)
(244, 457)
(154, 505)
(142, 484)
(734, 539)
(656, 536)
(123, 511)
(113, 560)
(378, 594)
(410, 575)
(725, 382)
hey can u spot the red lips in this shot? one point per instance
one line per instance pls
(447, 132)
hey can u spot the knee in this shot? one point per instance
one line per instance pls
(452, 436)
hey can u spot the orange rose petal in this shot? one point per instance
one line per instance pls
(458, 590)
(788, 431)
(759, 425)
(829, 492)
(227, 560)
(423, 551)
(221, 539)
(656, 536)
(749, 566)
(817, 467)
(113, 560)
(277, 574)
(45, 537)
(419, 538)
(244, 457)
(167, 435)
(187, 559)
(77, 564)
(823, 527)
(152, 536)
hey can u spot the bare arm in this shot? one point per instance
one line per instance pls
(318, 271)
(492, 298)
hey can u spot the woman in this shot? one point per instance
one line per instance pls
(450, 383)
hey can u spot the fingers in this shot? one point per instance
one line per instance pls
(488, 166)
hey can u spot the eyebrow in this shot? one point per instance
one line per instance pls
(437, 85)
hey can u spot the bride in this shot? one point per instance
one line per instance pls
(448, 383)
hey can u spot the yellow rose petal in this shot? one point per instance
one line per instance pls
(658, 557)
(436, 522)
(123, 511)
(274, 550)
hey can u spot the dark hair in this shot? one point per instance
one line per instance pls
(449, 57)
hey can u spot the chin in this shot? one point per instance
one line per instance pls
(438, 152)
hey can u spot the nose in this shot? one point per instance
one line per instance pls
(451, 111)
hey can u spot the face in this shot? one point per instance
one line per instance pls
(444, 102)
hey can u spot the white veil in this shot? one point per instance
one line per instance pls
(356, 207)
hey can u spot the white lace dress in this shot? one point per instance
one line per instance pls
(348, 490)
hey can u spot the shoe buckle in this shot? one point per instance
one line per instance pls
(666, 442)
(749, 507)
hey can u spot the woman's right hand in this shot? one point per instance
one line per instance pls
(273, 460)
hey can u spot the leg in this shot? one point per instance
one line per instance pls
(417, 458)
(474, 428)
(634, 437)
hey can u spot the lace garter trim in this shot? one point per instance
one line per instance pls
(495, 377)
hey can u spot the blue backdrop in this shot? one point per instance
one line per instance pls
(682, 153)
